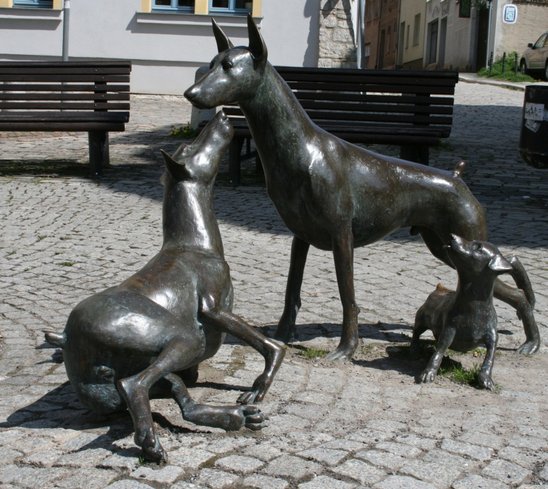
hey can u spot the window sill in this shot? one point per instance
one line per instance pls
(188, 19)
(23, 13)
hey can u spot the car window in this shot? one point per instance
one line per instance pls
(541, 40)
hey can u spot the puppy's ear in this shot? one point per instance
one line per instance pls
(177, 170)
(499, 264)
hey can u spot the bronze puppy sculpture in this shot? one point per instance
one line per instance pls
(173, 314)
(335, 195)
(466, 318)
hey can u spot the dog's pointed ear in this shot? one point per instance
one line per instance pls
(256, 42)
(223, 42)
(177, 170)
(499, 264)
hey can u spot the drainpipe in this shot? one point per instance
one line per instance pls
(488, 54)
(361, 33)
(66, 23)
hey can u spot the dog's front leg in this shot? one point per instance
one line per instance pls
(286, 326)
(272, 351)
(444, 342)
(485, 379)
(343, 254)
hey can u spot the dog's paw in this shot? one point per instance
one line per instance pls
(529, 347)
(426, 377)
(486, 382)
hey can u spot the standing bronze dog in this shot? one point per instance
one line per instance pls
(173, 314)
(335, 195)
(466, 318)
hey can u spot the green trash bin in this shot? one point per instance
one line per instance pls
(533, 143)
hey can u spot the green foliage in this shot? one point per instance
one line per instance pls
(312, 353)
(184, 132)
(457, 373)
(505, 70)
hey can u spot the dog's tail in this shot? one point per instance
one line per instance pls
(55, 339)
(459, 169)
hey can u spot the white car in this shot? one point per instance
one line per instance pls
(535, 57)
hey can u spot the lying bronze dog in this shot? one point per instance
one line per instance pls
(465, 319)
(171, 315)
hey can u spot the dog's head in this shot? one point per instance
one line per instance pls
(234, 73)
(477, 256)
(199, 161)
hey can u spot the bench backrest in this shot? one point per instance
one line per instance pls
(334, 96)
(76, 89)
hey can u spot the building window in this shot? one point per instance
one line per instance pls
(33, 3)
(432, 47)
(198, 7)
(187, 5)
(232, 6)
(417, 30)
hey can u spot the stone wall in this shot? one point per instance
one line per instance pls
(336, 35)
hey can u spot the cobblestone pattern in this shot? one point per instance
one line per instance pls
(361, 424)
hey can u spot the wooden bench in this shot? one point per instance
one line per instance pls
(90, 97)
(411, 109)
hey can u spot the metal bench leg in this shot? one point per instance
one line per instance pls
(234, 159)
(98, 152)
(415, 152)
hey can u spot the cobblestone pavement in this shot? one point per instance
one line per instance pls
(358, 424)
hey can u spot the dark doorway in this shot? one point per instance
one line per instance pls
(483, 30)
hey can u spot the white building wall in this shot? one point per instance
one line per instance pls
(166, 49)
(460, 35)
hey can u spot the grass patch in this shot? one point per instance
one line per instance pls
(457, 373)
(312, 353)
(183, 132)
(505, 69)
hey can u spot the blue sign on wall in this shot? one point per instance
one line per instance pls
(510, 14)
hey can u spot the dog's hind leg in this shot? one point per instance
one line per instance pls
(230, 418)
(179, 353)
(522, 279)
(485, 379)
(286, 326)
(519, 301)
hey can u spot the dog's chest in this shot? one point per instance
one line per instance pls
(472, 325)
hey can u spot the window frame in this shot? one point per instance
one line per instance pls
(33, 4)
(53, 5)
(172, 8)
(201, 7)
(231, 9)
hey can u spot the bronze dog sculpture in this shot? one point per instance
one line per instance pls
(335, 195)
(466, 318)
(164, 320)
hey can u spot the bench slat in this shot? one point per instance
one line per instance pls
(63, 87)
(70, 126)
(64, 116)
(63, 96)
(62, 69)
(44, 77)
(62, 105)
